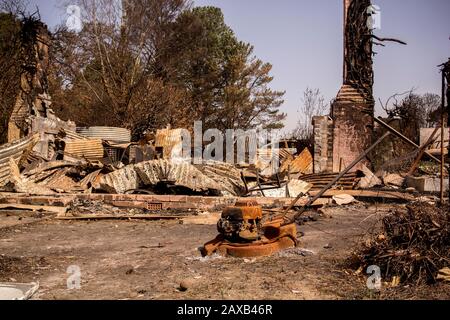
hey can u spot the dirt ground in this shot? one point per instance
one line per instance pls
(149, 260)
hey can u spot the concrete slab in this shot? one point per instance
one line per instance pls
(426, 184)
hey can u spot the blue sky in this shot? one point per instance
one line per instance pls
(302, 39)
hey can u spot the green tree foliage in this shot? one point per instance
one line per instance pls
(228, 86)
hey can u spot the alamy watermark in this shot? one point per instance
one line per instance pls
(73, 22)
(374, 19)
(374, 279)
(234, 146)
(74, 280)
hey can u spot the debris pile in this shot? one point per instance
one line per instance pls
(413, 247)
(103, 160)
(79, 207)
(44, 178)
(78, 164)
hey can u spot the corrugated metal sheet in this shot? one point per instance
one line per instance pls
(348, 182)
(120, 135)
(267, 155)
(227, 175)
(120, 181)
(72, 135)
(182, 174)
(208, 176)
(14, 150)
(303, 163)
(91, 150)
(269, 161)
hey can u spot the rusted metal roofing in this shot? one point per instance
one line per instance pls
(348, 182)
(303, 163)
(91, 150)
(15, 151)
(119, 135)
(72, 135)
(269, 161)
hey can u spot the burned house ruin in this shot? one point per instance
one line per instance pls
(32, 111)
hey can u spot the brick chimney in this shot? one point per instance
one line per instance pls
(352, 112)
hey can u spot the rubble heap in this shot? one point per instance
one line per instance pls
(413, 247)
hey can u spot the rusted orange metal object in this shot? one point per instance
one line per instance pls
(243, 235)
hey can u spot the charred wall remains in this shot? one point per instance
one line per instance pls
(32, 97)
